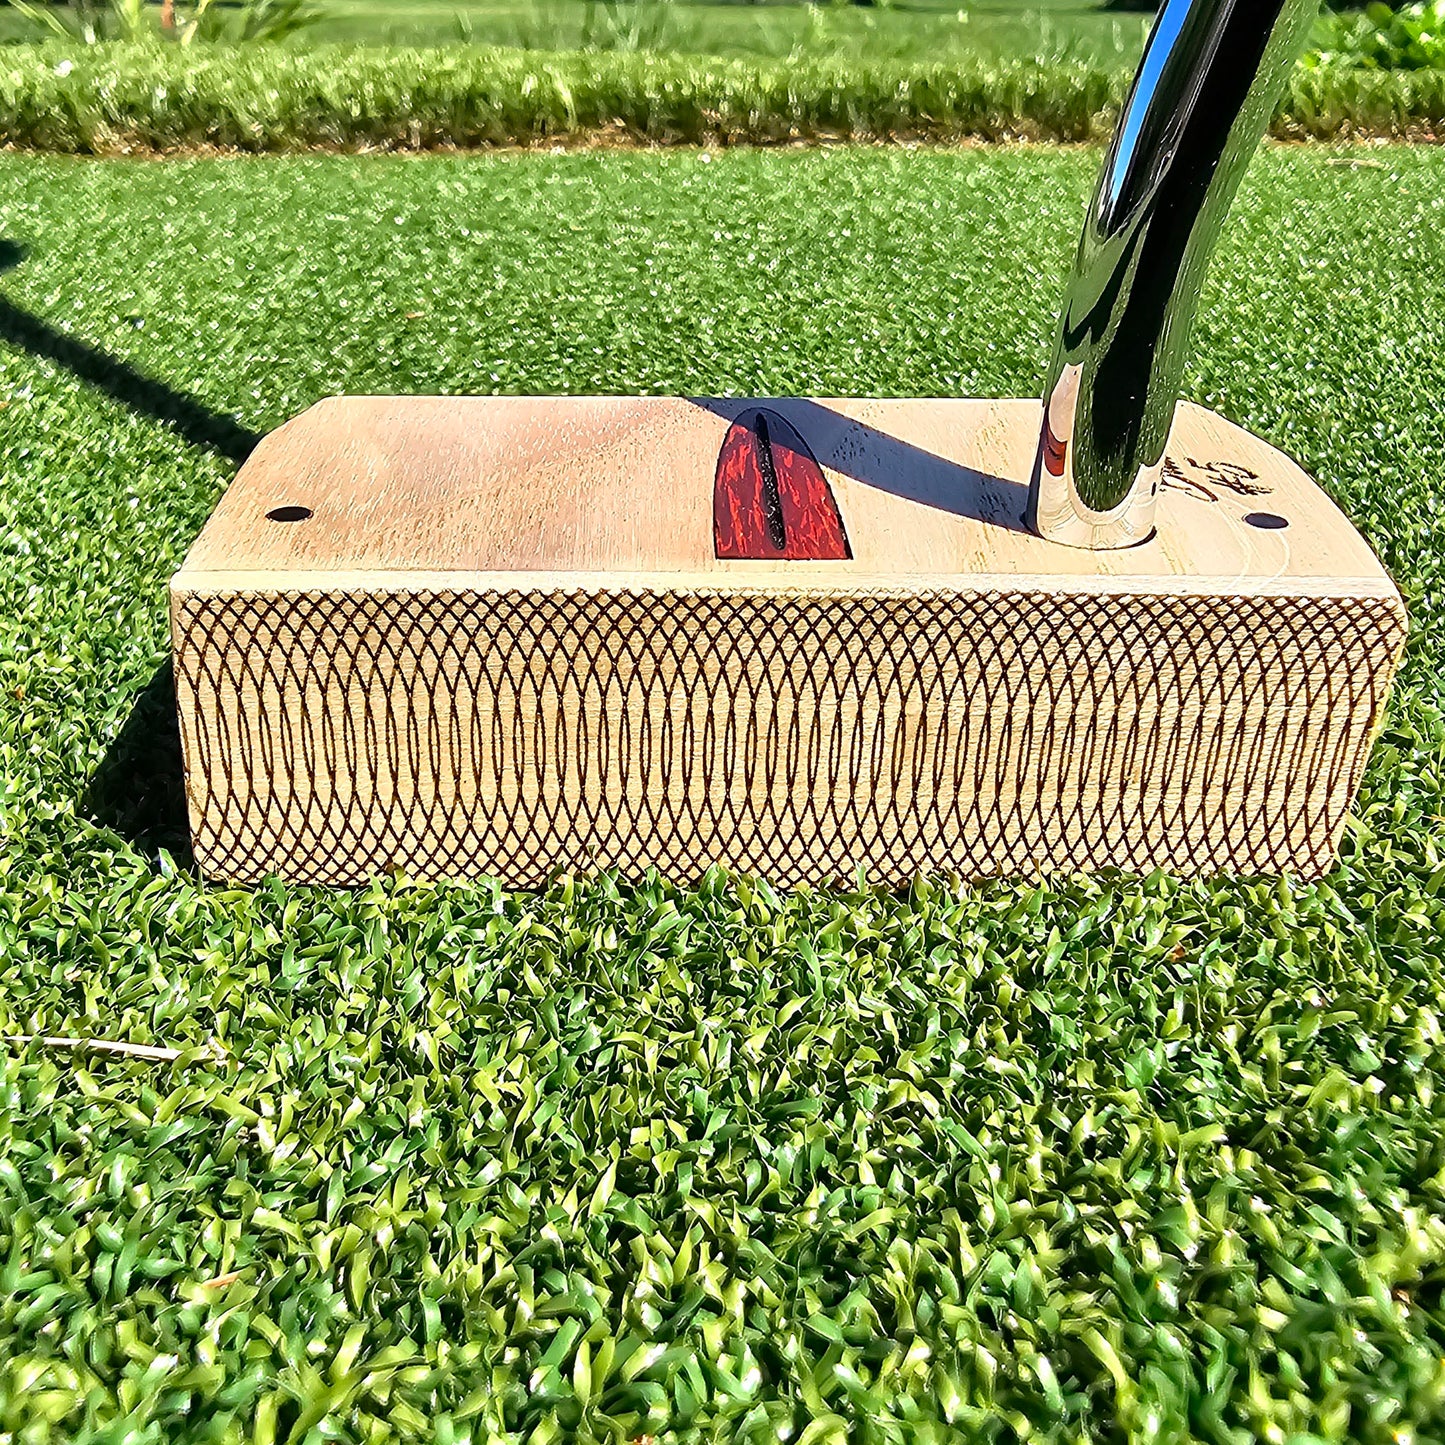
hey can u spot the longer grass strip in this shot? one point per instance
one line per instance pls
(116, 99)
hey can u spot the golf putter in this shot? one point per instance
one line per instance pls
(515, 636)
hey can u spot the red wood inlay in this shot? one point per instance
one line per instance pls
(771, 499)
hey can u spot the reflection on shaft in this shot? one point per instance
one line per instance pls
(1211, 75)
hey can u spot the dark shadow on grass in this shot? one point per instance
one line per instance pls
(139, 789)
(195, 421)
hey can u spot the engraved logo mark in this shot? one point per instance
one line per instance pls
(1230, 476)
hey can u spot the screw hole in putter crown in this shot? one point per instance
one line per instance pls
(288, 514)
(1266, 521)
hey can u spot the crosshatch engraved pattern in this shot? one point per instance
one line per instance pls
(332, 736)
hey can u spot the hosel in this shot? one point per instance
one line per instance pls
(1207, 86)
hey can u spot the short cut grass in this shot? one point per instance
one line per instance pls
(1101, 1159)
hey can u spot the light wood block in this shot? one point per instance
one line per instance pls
(516, 635)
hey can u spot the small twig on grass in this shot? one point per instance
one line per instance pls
(107, 1046)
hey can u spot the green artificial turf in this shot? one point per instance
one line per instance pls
(126, 98)
(1107, 1159)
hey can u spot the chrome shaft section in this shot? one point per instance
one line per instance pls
(1206, 88)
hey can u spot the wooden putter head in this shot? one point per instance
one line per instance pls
(515, 635)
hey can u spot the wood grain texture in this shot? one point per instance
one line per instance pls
(502, 642)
